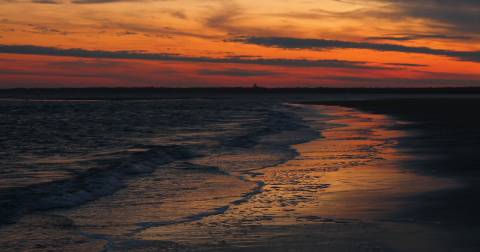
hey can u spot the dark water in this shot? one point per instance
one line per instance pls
(129, 165)
(66, 153)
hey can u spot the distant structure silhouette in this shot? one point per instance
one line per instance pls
(255, 89)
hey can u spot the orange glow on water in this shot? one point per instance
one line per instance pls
(352, 176)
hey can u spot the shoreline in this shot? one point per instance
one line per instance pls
(359, 204)
(354, 189)
(447, 135)
(99, 91)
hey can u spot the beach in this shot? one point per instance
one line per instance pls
(379, 177)
(371, 199)
(410, 199)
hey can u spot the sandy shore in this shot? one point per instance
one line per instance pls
(448, 127)
(375, 184)
(447, 136)
(361, 188)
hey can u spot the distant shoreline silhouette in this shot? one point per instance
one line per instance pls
(13, 92)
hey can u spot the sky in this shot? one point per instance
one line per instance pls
(239, 43)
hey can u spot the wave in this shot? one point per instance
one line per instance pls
(88, 185)
(274, 122)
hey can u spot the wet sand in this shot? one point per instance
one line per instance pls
(353, 190)
(445, 136)
(448, 128)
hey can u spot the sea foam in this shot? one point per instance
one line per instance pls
(89, 185)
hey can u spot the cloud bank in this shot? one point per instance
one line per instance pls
(239, 72)
(418, 36)
(323, 44)
(53, 51)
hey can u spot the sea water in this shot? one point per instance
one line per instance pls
(117, 167)
(104, 156)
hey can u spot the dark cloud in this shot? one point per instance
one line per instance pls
(47, 30)
(416, 36)
(389, 38)
(52, 51)
(125, 33)
(454, 15)
(112, 1)
(100, 1)
(94, 1)
(87, 1)
(151, 30)
(15, 72)
(229, 17)
(461, 20)
(442, 3)
(243, 56)
(178, 14)
(404, 64)
(174, 13)
(224, 17)
(238, 72)
(443, 37)
(407, 81)
(42, 29)
(45, 2)
(323, 44)
(363, 13)
(300, 15)
(451, 15)
(158, 36)
(168, 31)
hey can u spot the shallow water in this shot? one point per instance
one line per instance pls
(129, 165)
(353, 175)
(177, 171)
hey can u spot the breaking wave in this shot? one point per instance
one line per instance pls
(88, 185)
(274, 122)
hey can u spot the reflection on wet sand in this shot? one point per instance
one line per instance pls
(346, 191)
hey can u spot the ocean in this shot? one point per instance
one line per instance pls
(110, 169)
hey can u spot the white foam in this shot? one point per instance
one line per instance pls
(94, 183)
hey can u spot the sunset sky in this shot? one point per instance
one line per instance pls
(213, 43)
